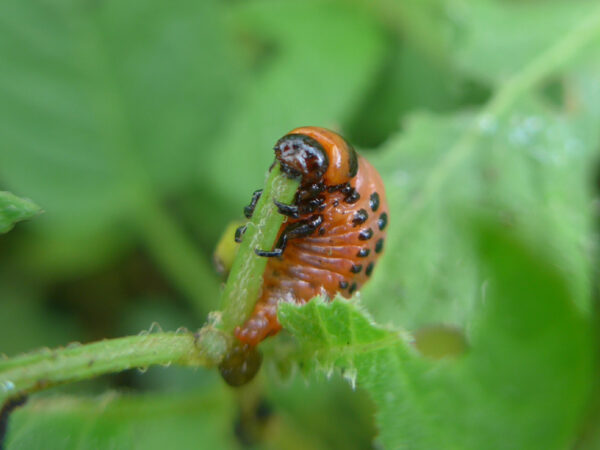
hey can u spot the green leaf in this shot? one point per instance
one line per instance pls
(105, 111)
(490, 43)
(14, 209)
(528, 368)
(407, 82)
(101, 107)
(346, 410)
(197, 420)
(46, 327)
(530, 169)
(318, 59)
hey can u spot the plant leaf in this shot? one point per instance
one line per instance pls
(113, 421)
(492, 27)
(530, 169)
(106, 108)
(14, 209)
(321, 57)
(528, 368)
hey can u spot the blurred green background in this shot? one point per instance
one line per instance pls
(142, 128)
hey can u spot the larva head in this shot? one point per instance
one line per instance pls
(302, 156)
(317, 154)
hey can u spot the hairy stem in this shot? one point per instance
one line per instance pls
(245, 279)
(46, 368)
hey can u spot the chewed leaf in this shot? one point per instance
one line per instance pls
(529, 352)
(14, 209)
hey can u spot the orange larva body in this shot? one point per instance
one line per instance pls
(349, 215)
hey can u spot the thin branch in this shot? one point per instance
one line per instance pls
(46, 368)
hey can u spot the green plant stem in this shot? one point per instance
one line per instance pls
(46, 368)
(178, 259)
(516, 87)
(245, 279)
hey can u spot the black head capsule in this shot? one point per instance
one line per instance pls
(302, 156)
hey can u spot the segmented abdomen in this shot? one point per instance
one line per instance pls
(338, 257)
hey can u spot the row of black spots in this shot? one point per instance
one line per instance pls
(351, 195)
(357, 268)
(344, 285)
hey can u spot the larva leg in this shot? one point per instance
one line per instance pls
(239, 233)
(294, 211)
(294, 230)
(249, 210)
(286, 210)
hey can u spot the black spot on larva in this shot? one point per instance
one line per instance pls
(369, 269)
(353, 161)
(336, 203)
(374, 201)
(343, 284)
(352, 197)
(365, 235)
(356, 268)
(382, 222)
(360, 217)
(321, 231)
(379, 246)
(352, 288)
(363, 253)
